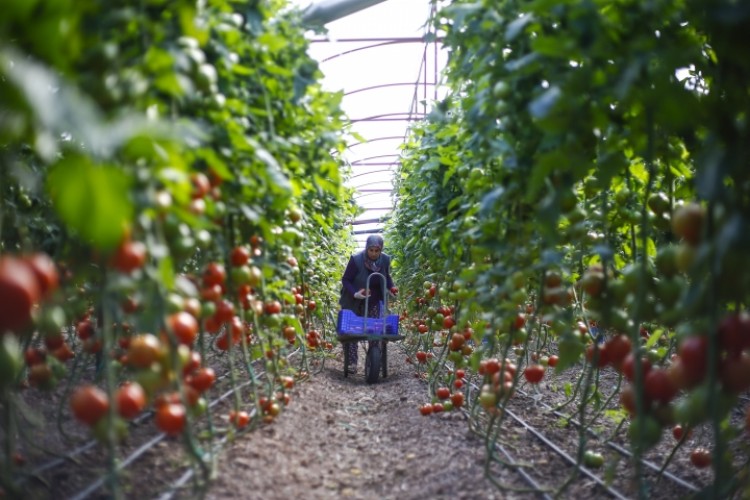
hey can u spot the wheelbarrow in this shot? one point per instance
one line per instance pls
(376, 332)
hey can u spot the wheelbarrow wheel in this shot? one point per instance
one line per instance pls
(372, 364)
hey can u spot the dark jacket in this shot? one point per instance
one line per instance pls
(355, 279)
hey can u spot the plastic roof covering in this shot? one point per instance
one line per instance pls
(389, 75)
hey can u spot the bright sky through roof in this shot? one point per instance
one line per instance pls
(384, 86)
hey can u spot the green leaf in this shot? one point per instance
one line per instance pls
(541, 106)
(166, 272)
(516, 27)
(92, 200)
(654, 337)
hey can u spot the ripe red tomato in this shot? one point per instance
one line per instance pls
(449, 322)
(628, 367)
(224, 311)
(734, 373)
(311, 305)
(129, 256)
(89, 404)
(34, 356)
(618, 347)
(202, 379)
(214, 274)
(422, 328)
(144, 350)
(201, 184)
(734, 332)
(687, 222)
(272, 307)
(130, 399)
(457, 398)
(240, 419)
(421, 356)
(19, 289)
(678, 431)
(192, 363)
(693, 354)
(239, 256)
(534, 373)
(184, 326)
(627, 399)
(437, 407)
(211, 293)
(45, 271)
(40, 375)
(170, 418)
(701, 458)
(492, 366)
(603, 358)
(460, 373)
(659, 387)
(552, 360)
(85, 329)
(443, 392)
(63, 353)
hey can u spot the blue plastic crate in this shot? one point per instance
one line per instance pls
(349, 323)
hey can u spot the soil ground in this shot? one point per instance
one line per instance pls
(343, 438)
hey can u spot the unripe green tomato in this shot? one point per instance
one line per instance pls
(51, 320)
(593, 459)
(174, 303)
(241, 275)
(150, 378)
(622, 196)
(100, 431)
(11, 359)
(199, 408)
(456, 357)
(203, 239)
(650, 429)
(208, 309)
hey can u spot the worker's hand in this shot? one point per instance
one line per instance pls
(360, 294)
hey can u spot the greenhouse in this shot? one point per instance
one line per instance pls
(374, 249)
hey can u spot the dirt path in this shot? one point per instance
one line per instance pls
(343, 438)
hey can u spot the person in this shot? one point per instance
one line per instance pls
(354, 283)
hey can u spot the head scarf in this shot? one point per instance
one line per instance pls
(374, 240)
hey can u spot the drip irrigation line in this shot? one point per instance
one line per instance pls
(129, 460)
(621, 450)
(61, 460)
(565, 456)
(526, 477)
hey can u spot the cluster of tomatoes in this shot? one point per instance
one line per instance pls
(27, 285)
(498, 385)
(25, 281)
(447, 399)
